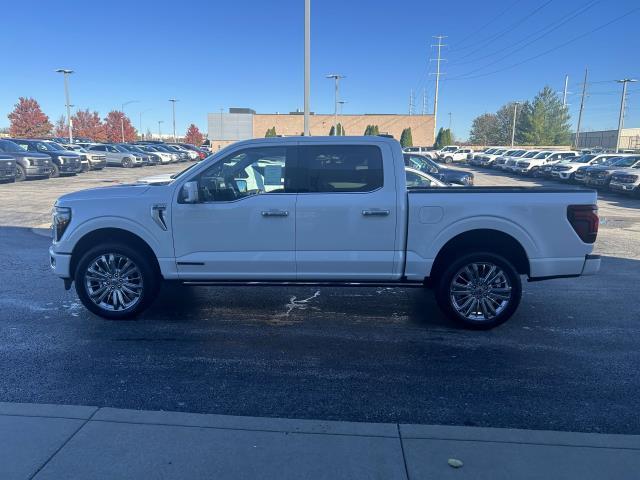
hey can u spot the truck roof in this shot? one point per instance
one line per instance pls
(320, 139)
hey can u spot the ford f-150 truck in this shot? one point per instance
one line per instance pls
(321, 210)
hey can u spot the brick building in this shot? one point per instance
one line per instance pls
(241, 124)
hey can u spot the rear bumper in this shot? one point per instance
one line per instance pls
(591, 265)
(550, 268)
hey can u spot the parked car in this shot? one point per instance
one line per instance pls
(193, 155)
(143, 156)
(447, 175)
(418, 179)
(626, 181)
(94, 161)
(28, 164)
(200, 152)
(153, 158)
(165, 157)
(512, 160)
(599, 176)
(535, 165)
(180, 156)
(566, 170)
(63, 162)
(488, 159)
(7, 169)
(116, 155)
(445, 150)
(460, 155)
(471, 244)
(475, 158)
(417, 149)
(500, 160)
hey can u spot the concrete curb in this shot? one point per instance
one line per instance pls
(66, 441)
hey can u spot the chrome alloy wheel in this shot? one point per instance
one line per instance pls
(113, 282)
(480, 291)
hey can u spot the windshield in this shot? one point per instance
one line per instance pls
(120, 148)
(180, 173)
(542, 155)
(9, 146)
(49, 146)
(491, 150)
(530, 154)
(518, 153)
(584, 159)
(626, 161)
(133, 148)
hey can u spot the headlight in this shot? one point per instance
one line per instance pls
(60, 221)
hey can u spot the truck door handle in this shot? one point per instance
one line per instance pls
(375, 213)
(275, 213)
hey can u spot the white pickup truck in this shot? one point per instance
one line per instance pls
(321, 210)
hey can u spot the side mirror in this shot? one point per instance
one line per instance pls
(190, 192)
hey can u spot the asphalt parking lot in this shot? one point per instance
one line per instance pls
(568, 359)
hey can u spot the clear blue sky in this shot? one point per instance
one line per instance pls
(247, 53)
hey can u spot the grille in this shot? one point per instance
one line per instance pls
(625, 178)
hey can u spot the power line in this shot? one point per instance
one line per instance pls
(475, 31)
(540, 35)
(490, 40)
(568, 42)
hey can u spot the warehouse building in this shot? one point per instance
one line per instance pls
(629, 139)
(237, 124)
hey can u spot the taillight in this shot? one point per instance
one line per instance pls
(584, 220)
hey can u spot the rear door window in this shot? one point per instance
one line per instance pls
(340, 168)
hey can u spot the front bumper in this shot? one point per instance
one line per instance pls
(38, 171)
(598, 182)
(60, 263)
(623, 187)
(70, 168)
(98, 164)
(561, 175)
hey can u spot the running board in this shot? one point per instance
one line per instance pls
(401, 283)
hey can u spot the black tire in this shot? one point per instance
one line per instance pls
(149, 284)
(85, 168)
(448, 159)
(21, 174)
(445, 299)
(55, 171)
(127, 163)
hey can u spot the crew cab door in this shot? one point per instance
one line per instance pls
(242, 226)
(346, 212)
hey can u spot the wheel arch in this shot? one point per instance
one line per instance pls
(111, 235)
(482, 240)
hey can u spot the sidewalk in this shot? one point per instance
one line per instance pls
(69, 442)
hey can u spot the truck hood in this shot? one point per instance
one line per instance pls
(162, 179)
(104, 193)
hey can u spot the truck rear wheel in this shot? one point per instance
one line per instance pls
(479, 290)
(115, 281)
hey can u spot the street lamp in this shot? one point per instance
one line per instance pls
(624, 82)
(173, 104)
(122, 116)
(336, 77)
(160, 122)
(513, 130)
(66, 73)
(140, 124)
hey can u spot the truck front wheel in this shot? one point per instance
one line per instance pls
(479, 290)
(115, 281)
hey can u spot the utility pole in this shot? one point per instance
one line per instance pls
(513, 129)
(173, 105)
(307, 63)
(584, 92)
(424, 101)
(411, 102)
(564, 93)
(624, 82)
(336, 97)
(66, 73)
(450, 121)
(439, 59)
(160, 122)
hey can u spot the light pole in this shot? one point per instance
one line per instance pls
(160, 122)
(307, 63)
(513, 130)
(66, 73)
(173, 105)
(336, 77)
(624, 82)
(122, 116)
(140, 124)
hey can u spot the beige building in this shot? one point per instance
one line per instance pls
(629, 139)
(242, 124)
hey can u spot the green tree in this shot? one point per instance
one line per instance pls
(544, 121)
(332, 131)
(406, 139)
(271, 132)
(376, 130)
(484, 130)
